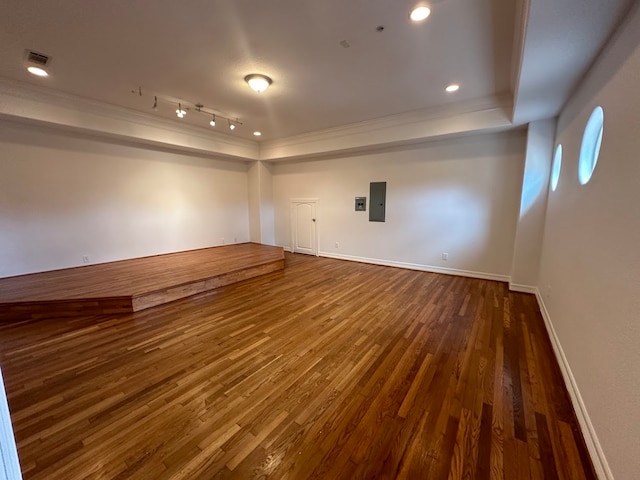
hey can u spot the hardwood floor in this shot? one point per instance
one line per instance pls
(327, 370)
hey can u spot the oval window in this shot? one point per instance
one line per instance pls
(590, 148)
(555, 168)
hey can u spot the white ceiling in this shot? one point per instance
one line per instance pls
(200, 51)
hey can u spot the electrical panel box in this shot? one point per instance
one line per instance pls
(378, 196)
(361, 204)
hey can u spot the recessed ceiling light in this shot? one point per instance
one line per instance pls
(454, 87)
(40, 72)
(420, 13)
(258, 82)
(257, 134)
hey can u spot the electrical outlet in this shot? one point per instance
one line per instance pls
(445, 256)
(85, 258)
(222, 241)
(337, 244)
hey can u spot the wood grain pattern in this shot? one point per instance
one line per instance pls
(133, 285)
(329, 369)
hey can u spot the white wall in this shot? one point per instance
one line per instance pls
(260, 204)
(459, 196)
(533, 206)
(64, 196)
(254, 198)
(590, 268)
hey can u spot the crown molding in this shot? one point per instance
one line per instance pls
(25, 103)
(417, 126)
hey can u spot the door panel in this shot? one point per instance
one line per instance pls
(303, 227)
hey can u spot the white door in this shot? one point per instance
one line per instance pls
(304, 226)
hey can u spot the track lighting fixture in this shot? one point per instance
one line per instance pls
(182, 107)
(258, 82)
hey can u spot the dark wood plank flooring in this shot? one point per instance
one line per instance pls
(327, 370)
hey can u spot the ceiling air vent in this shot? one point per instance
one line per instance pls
(37, 58)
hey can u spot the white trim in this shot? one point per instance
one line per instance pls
(416, 266)
(9, 461)
(588, 431)
(515, 287)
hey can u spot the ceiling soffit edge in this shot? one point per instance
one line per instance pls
(33, 97)
(33, 105)
(390, 147)
(411, 127)
(499, 102)
(519, 42)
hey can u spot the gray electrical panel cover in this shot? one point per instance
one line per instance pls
(378, 200)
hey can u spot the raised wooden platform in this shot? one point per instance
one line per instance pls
(132, 285)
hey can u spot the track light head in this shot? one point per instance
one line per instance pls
(213, 121)
(180, 112)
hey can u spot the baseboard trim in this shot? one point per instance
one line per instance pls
(416, 266)
(588, 431)
(515, 287)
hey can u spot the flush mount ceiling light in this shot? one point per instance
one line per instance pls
(257, 134)
(454, 87)
(420, 13)
(258, 83)
(40, 72)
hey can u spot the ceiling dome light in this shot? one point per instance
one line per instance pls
(40, 72)
(454, 87)
(258, 83)
(419, 14)
(257, 134)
